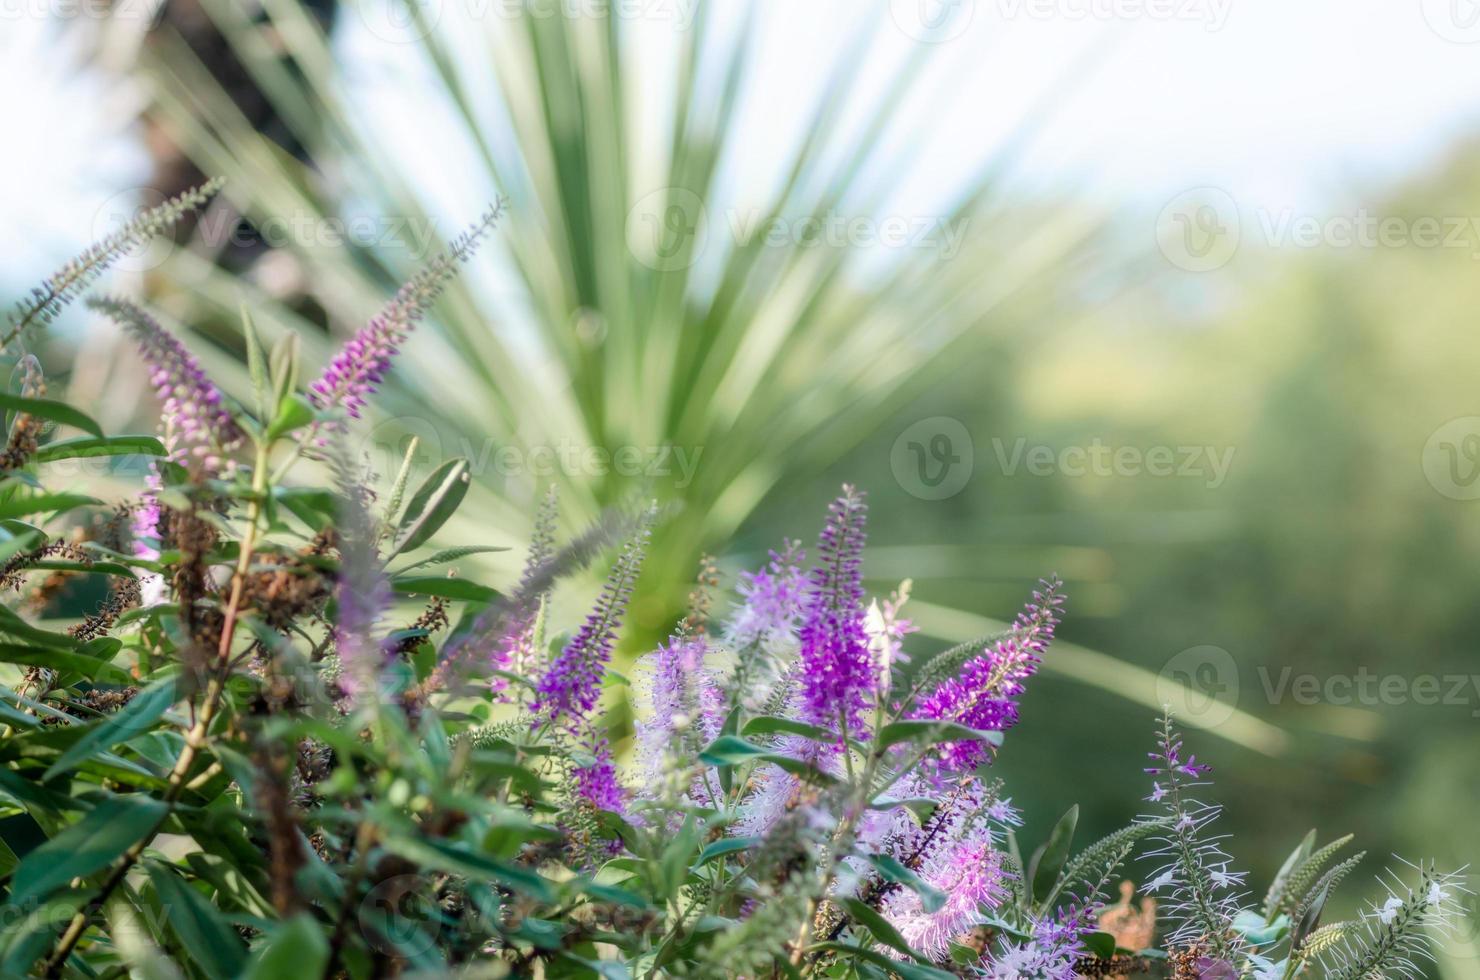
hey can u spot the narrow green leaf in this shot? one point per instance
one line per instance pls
(208, 937)
(1048, 863)
(448, 588)
(42, 503)
(727, 845)
(771, 725)
(133, 719)
(434, 502)
(256, 366)
(87, 846)
(88, 447)
(452, 554)
(907, 970)
(918, 729)
(931, 898)
(297, 948)
(293, 412)
(881, 928)
(55, 411)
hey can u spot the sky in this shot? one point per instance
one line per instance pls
(1280, 104)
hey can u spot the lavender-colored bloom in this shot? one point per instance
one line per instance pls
(516, 652)
(969, 872)
(597, 783)
(773, 603)
(197, 425)
(983, 695)
(361, 364)
(837, 673)
(1057, 944)
(571, 685)
(686, 703)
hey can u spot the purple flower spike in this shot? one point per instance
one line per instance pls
(597, 783)
(197, 425)
(570, 687)
(361, 364)
(983, 696)
(837, 671)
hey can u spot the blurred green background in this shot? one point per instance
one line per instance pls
(1237, 412)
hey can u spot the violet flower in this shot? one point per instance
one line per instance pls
(516, 652)
(983, 695)
(773, 602)
(1056, 946)
(197, 425)
(836, 668)
(361, 364)
(571, 685)
(597, 783)
(969, 871)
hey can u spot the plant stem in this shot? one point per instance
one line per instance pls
(195, 738)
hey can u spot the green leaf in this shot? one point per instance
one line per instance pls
(1277, 887)
(1048, 863)
(87, 447)
(448, 588)
(878, 925)
(55, 411)
(293, 412)
(917, 729)
(11, 624)
(133, 719)
(452, 554)
(727, 845)
(89, 667)
(434, 502)
(283, 365)
(448, 856)
(770, 725)
(257, 366)
(1100, 945)
(931, 898)
(87, 846)
(297, 948)
(45, 503)
(909, 971)
(731, 750)
(206, 936)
